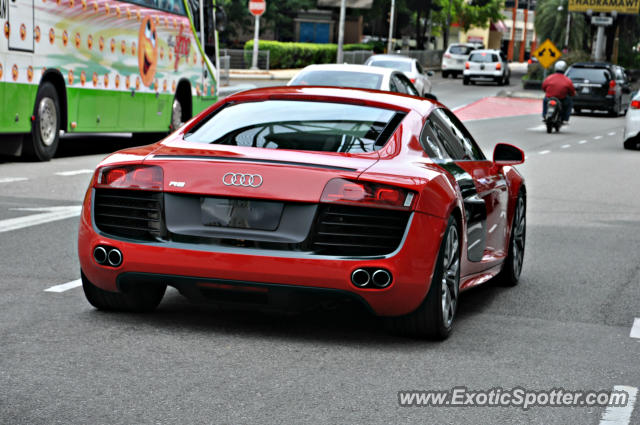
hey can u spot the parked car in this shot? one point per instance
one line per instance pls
(631, 135)
(307, 193)
(357, 76)
(454, 58)
(409, 66)
(600, 86)
(487, 65)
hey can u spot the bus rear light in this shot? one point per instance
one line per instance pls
(367, 194)
(141, 177)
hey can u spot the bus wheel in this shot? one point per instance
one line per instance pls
(42, 143)
(176, 114)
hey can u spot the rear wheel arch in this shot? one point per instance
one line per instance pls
(184, 96)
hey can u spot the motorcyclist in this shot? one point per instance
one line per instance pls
(559, 86)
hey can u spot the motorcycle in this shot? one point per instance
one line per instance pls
(553, 118)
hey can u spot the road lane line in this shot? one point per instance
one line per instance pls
(620, 415)
(635, 329)
(74, 172)
(582, 142)
(565, 146)
(544, 152)
(597, 137)
(47, 215)
(12, 179)
(612, 133)
(65, 286)
(537, 128)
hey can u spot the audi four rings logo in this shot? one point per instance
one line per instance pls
(244, 180)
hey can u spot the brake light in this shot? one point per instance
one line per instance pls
(466, 65)
(612, 87)
(413, 80)
(141, 177)
(447, 55)
(498, 66)
(552, 103)
(635, 104)
(529, 61)
(367, 195)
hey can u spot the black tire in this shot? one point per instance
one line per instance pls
(632, 144)
(465, 81)
(445, 74)
(428, 321)
(42, 143)
(557, 127)
(512, 268)
(549, 127)
(507, 81)
(577, 111)
(140, 299)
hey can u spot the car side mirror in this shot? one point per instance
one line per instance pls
(429, 73)
(505, 154)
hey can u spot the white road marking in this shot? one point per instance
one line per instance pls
(582, 142)
(12, 179)
(65, 286)
(612, 133)
(544, 152)
(74, 172)
(620, 415)
(635, 329)
(597, 137)
(537, 128)
(565, 146)
(47, 215)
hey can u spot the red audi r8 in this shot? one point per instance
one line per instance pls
(297, 193)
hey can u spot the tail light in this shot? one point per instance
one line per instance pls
(612, 87)
(529, 61)
(447, 55)
(635, 104)
(413, 80)
(367, 195)
(466, 65)
(498, 66)
(553, 103)
(141, 177)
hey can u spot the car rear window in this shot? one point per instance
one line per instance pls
(483, 57)
(298, 125)
(403, 66)
(460, 50)
(361, 80)
(596, 75)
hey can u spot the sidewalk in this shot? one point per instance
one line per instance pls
(261, 74)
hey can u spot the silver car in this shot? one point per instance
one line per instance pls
(486, 65)
(357, 76)
(409, 66)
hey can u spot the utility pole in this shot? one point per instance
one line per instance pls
(446, 30)
(392, 17)
(343, 12)
(523, 46)
(216, 46)
(513, 31)
(600, 42)
(566, 36)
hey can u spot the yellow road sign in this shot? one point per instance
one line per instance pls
(547, 53)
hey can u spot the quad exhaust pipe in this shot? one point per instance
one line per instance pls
(370, 277)
(107, 256)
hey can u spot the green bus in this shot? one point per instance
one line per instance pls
(86, 66)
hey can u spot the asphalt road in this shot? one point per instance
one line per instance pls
(567, 325)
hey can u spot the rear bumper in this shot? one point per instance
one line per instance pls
(486, 75)
(411, 266)
(590, 102)
(452, 65)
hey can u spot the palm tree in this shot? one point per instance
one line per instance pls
(551, 23)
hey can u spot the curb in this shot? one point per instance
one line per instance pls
(521, 94)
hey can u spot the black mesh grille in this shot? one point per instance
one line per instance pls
(357, 231)
(133, 214)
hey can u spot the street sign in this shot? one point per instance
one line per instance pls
(257, 7)
(629, 7)
(604, 21)
(547, 53)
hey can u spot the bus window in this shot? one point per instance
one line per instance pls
(171, 6)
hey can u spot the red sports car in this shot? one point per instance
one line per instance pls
(299, 193)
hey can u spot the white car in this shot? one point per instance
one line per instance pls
(487, 65)
(631, 135)
(357, 76)
(454, 58)
(409, 66)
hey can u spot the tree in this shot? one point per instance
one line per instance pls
(477, 13)
(551, 23)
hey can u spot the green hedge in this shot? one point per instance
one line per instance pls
(284, 55)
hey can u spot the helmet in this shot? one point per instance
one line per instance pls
(560, 66)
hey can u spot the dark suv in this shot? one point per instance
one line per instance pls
(600, 86)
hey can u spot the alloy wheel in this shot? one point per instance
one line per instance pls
(450, 276)
(48, 121)
(519, 232)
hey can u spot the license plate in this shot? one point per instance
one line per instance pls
(459, 60)
(585, 90)
(241, 213)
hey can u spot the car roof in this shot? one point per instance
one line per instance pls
(375, 98)
(592, 65)
(349, 68)
(486, 51)
(394, 57)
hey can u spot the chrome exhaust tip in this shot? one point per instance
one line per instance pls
(115, 257)
(360, 278)
(381, 278)
(100, 255)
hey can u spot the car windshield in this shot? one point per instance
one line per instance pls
(296, 125)
(596, 75)
(460, 50)
(483, 57)
(361, 80)
(403, 66)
